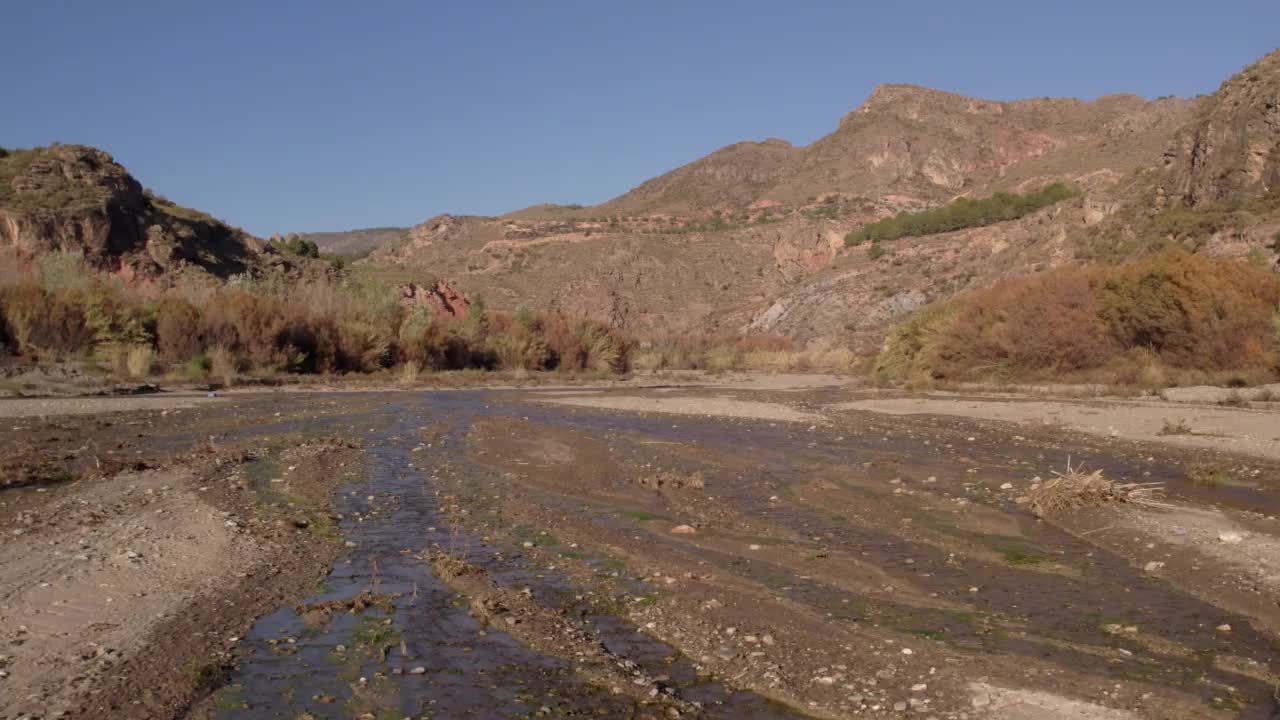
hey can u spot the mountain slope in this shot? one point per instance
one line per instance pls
(751, 236)
(354, 243)
(926, 144)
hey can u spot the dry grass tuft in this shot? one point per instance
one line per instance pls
(140, 361)
(409, 372)
(1076, 489)
(1176, 428)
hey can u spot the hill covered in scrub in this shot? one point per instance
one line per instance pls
(78, 199)
(352, 244)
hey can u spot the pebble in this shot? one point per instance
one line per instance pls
(1152, 567)
(683, 530)
(1007, 486)
(1231, 538)
(1223, 628)
(419, 670)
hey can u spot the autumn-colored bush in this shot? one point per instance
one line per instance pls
(56, 308)
(585, 345)
(1172, 309)
(44, 324)
(177, 330)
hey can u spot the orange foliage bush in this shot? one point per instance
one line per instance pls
(1183, 310)
(177, 330)
(44, 324)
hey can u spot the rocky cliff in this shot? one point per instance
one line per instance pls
(75, 198)
(1231, 149)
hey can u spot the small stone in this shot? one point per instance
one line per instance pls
(900, 706)
(753, 547)
(1231, 538)
(908, 651)
(1152, 567)
(919, 687)
(683, 530)
(1223, 628)
(419, 670)
(1006, 486)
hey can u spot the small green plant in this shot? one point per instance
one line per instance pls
(875, 251)
(1205, 475)
(199, 367)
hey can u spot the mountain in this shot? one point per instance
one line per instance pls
(75, 198)
(751, 237)
(926, 144)
(353, 244)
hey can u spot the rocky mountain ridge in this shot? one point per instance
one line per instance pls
(751, 237)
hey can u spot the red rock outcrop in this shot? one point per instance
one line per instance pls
(443, 299)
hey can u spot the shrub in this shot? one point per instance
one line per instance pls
(177, 330)
(960, 214)
(58, 309)
(44, 324)
(1172, 309)
(200, 366)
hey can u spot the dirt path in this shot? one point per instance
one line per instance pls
(1246, 431)
(685, 405)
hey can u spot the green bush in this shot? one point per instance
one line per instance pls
(960, 214)
(876, 251)
(297, 245)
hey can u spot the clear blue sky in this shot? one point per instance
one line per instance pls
(320, 115)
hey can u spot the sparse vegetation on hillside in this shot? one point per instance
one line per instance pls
(960, 214)
(1138, 232)
(58, 309)
(173, 209)
(1173, 310)
(43, 191)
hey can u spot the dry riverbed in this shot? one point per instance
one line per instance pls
(768, 550)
